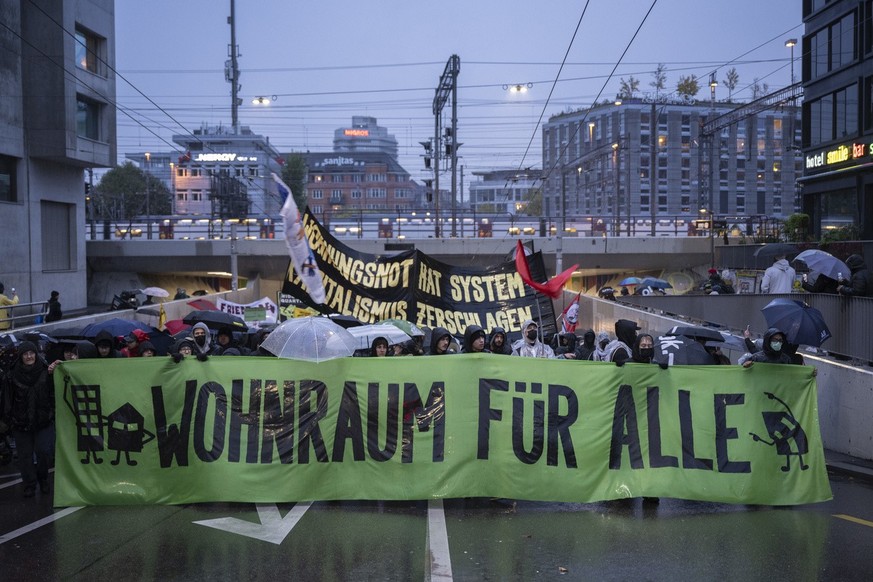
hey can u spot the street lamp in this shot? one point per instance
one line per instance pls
(148, 157)
(263, 100)
(790, 44)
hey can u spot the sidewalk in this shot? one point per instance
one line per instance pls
(852, 466)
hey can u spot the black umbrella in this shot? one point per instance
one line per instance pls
(679, 349)
(696, 332)
(775, 250)
(655, 283)
(215, 320)
(117, 327)
(800, 323)
(345, 321)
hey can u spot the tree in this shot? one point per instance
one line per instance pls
(126, 192)
(629, 87)
(294, 174)
(759, 89)
(688, 87)
(731, 82)
(659, 79)
(533, 202)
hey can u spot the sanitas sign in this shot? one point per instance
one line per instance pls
(838, 155)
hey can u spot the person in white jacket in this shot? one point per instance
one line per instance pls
(779, 277)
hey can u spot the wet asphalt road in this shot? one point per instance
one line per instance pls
(483, 540)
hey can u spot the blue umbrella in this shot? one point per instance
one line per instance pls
(655, 283)
(630, 281)
(117, 327)
(800, 323)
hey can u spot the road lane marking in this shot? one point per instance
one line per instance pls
(854, 519)
(440, 560)
(273, 527)
(17, 480)
(38, 524)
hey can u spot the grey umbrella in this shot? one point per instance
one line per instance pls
(775, 250)
(824, 263)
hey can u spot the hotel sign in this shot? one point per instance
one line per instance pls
(839, 155)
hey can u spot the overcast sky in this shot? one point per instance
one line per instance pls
(327, 61)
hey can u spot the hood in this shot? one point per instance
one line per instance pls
(524, 326)
(436, 334)
(470, 334)
(856, 263)
(147, 345)
(782, 264)
(104, 336)
(588, 338)
(496, 332)
(373, 344)
(766, 343)
(635, 349)
(626, 331)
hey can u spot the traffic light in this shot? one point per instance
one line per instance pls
(87, 189)
(429, 192)
(428, 150)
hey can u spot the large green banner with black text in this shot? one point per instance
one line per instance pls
(148, 430)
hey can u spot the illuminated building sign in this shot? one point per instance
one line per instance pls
(224, 158)
(356, 132)
(839, 154)
(338, 161)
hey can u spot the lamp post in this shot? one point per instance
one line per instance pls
(148, 157)
(790, 44)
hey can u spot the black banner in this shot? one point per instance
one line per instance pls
(413, 286)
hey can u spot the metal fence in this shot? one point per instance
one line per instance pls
(849, 319)
(23, 314)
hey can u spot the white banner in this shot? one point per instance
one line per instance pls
(270, 308)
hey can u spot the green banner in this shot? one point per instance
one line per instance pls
(148, 430)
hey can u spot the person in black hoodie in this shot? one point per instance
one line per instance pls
(643, 349)
(474, 340)
(29, 411)
(585, 349)
(619, 349)
(498, 344)
(859, 285)
(105, 343)
(771, 352)
(440, 338)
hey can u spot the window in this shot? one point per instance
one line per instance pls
(832, 47)
(336, 178)
(8, 179)
(58, 244)
(834, 116)
(87, 118)
(182, 196)
(87, 47)
(196, 195)
(317, 194)
(356, 194)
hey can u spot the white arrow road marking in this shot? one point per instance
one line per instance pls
(440, 561)
(273, 527)
(37, 524)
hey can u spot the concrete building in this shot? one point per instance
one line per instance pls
(364, 136)
(213, 157)
(57, 119)
(503, 191)
(340, 184)
(837, 76)
(598, 161)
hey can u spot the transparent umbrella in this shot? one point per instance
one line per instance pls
(365, 334)
(315, 339)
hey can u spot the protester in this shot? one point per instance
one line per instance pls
(54, 308)
(29, 411)
(779, 277)
(771, 353)
(529, 346)
(147, 349)
(624, 291)
(474, 340)
(68, 353)
(379, 348)
(821, 284)
(202, 343)
(585, 349)
(607, 293)
(4, 300)
(105, 343)
(643, 349)
(498, 344)
(132, 343)
(859, 285)
(599, 354)
(619, 349)
(564, 345)
(224, 341)
(183, 347)
(440, 338)
(180, 294)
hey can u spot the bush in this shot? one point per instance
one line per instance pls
(797, 228)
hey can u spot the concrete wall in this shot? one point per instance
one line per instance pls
(845, 393)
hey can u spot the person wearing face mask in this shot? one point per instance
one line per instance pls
(772, 353)
(585, 348)
(202, 343)
(530, 346)
(599, 354)
(643, 350)
(619, 349)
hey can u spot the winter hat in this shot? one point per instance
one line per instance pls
(712, 271)
(55, 294)
(27, 346)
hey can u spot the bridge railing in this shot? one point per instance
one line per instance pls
(848, 318)
(23, 314)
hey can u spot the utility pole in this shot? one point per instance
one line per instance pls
(448, 85)
(653, 171)
(231, 70)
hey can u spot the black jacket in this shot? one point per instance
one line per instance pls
(859, 286)
(436, 334)
(28, 397)
(470, 334)
(767, 355)
(505, 349)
